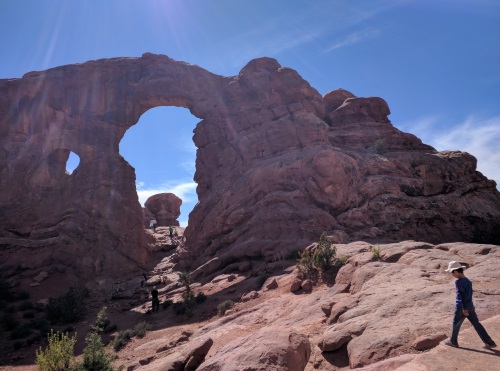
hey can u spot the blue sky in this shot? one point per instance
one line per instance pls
(436, 63)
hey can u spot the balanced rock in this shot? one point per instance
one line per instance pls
(166, 207)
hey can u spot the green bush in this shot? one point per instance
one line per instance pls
(59, 354)
(376, 251)
(141, 328)
(305, 263)
(323, 254)
(8, 321)
(200, 298)
(69, 307)
(20, 332)
(222, 307)
(122, 338)
(179, 308)
(166, 304)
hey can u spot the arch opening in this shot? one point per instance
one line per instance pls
(72, 162)
(161, 150)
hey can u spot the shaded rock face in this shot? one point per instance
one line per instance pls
(276, 165)
(166, 207)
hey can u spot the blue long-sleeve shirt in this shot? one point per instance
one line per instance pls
(464, 293)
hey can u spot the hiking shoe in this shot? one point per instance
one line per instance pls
(450, 343)
(490, 345)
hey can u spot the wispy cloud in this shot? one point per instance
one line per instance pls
(353, 38)
(478, 136)
(185, 191)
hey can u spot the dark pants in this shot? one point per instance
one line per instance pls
(459, 318)
(155, 305)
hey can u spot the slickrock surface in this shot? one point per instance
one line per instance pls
(277, 164)
(380, 313)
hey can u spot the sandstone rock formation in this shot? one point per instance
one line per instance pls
(378, 310)
(277, 164)
(166, 207)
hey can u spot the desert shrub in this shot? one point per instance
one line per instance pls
(179, 308)
(122, 338)
(305, 263)
(376, 251)
(141, 328)
(8, 321)
(22, 295)
(323, 254)
(200, 298)
(222, 307)
(38, 323)
(25, 305)
(29, 315)
(342, 260)
(111, 328)
(69, 307)
(261, 280)
(20, 332)
(166, 304)
(59, 354)
(378, 147)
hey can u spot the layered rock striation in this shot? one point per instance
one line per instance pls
(277, 164)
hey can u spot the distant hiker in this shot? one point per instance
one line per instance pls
(155, 302)
(145, 279)
(152, 224)
(171, 230)
(464, 308)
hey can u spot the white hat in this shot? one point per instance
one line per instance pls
(454, 266)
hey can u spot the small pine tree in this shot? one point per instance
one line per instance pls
(95, 357)
(59, 354)
(185, 280)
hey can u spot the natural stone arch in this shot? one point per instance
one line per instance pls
(272, 174)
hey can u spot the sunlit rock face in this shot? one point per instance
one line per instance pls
(277, 164)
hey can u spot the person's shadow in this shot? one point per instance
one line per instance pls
(492, 352)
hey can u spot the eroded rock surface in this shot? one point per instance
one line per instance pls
(277, 164)
(379, 311)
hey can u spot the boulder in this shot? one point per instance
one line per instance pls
(270, 349)
(185, 357)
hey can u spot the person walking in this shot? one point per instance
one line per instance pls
(152, 224)
(155, 302)
(464, 308)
